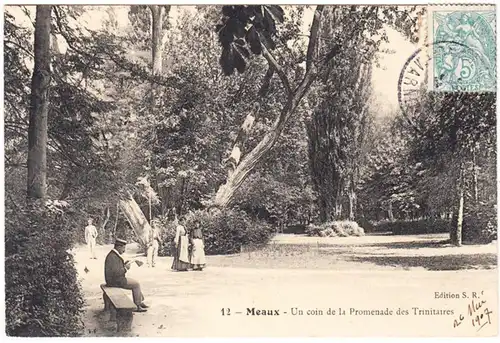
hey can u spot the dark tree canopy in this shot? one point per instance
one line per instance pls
(245, 30)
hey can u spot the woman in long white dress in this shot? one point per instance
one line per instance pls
(198, 261)
(181, 254)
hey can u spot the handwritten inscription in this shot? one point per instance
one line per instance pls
(478, 314)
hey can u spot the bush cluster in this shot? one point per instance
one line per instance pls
(42, 294)
(224, 231)
(341, 228)
(167, 235)
(414, 227)
(480, 224)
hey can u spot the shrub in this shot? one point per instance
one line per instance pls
(365, 224)
(341, 228)
(167, 235)
(414, 227)
(479, 224)
(257, 234)
(224, 231)
(42, 293)
(314, 230)
(295, 229)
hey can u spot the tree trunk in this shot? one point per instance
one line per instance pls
(156, 67)
(158, 12)
(38, 131)
(390, 213)
(456, 227)
(150, 210)
(338, 209)
(107, 215)
(157, 38)
(246, 128)
(352, 204)
(474, 175)
(112, 233)
(225, 194)
(136, 219)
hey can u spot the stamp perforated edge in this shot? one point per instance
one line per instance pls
(427, 23)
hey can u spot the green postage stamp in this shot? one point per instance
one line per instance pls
(462, 47)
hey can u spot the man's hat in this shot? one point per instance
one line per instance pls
(120, 241)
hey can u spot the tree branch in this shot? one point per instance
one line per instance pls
(312, 53)
(274, 65)
(312, 48)
(6, 41)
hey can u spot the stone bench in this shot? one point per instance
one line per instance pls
(120, 307)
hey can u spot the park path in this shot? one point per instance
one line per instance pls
(189, 304)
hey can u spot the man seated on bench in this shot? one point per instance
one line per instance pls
(115, 268)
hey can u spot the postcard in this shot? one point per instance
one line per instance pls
(250, 170)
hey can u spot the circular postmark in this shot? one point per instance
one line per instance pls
(413, 79)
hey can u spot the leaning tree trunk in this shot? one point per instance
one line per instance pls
(246, 128)
(225, 194)
(136, 219)
(38, 131)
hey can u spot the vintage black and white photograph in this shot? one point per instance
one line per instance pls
(250, 170)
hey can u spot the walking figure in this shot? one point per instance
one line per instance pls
(90, 238)
(153, 244)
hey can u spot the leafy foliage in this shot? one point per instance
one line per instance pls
(338, 124)
(390, 176)
(341, 228)
(480, 223)
(413, 227)
(43, 296)
(111, 121)
(455, 140)
(224, 232)
(246, 29)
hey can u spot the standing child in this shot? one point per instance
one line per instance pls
(198, 249)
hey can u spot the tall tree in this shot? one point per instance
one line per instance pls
(38, 132)
(251, 29)
(158, 17)
(336, 131)
(452, 125)
(339, 120)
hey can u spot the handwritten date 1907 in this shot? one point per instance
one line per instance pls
(478, 313)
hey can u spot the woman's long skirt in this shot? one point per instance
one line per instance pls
(181, 255)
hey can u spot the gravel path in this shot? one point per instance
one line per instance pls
(190, 304)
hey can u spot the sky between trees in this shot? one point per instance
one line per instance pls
(384, 78)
